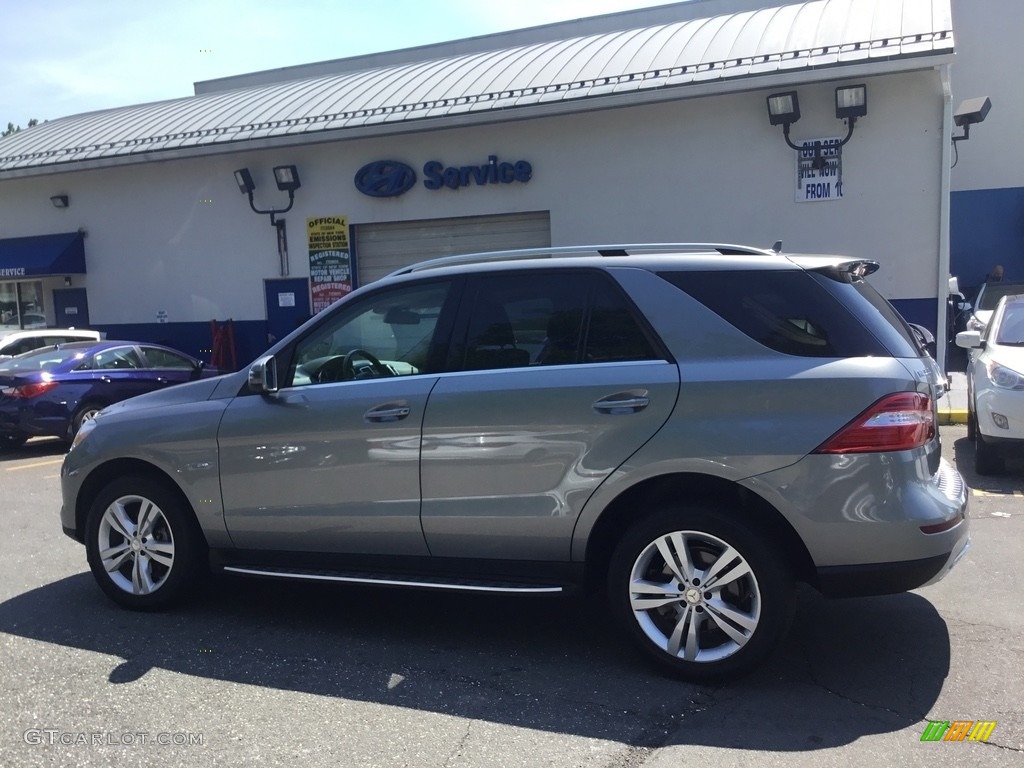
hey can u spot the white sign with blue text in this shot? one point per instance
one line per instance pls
(819, 172)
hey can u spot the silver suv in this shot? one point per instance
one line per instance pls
(693, 428)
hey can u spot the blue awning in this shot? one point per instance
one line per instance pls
(42, 255)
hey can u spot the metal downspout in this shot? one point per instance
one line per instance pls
(944, 191)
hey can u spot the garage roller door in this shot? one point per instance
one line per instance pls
(383, 248)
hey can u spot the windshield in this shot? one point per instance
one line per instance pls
(1010, 330)
(41, 359)
(991, 293)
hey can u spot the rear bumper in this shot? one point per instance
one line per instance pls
(874, 524)
(888, 578)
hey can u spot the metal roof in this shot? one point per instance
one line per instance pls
(586, 72)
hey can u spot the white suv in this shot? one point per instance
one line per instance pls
(26, 341)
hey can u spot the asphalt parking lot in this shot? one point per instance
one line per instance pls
(258, 672)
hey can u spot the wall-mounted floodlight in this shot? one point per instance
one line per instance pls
(244, 180)
(59, 201)
(851, 103)
(783, 109)
(287, 179)
(970, 112)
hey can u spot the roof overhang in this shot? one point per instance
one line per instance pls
(822, 40)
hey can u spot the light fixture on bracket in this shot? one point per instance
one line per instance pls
(970, 112)
(287, 179)
(851, 103)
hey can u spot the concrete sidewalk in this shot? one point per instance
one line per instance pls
(953, 407)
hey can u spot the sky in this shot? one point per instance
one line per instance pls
(64, 57)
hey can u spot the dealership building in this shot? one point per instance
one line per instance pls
(826, 125)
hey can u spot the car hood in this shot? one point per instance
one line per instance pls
(190, 392)
(1011, 357)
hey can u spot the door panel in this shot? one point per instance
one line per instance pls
(71, 307)
(331, 462)
(287, 306)
(326, 468)
(511, 456)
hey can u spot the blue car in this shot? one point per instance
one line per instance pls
(53, 391)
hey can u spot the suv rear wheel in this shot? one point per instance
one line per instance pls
(704, 596)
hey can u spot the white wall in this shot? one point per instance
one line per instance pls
(705, 169)
(988, 63)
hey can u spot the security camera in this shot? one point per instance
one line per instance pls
(972, 111)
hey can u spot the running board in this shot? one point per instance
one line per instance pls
(393, 581)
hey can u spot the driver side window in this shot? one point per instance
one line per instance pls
(386, 334)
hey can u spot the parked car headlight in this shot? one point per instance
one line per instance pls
(1004, 378)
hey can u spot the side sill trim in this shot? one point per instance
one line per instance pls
(392, 582)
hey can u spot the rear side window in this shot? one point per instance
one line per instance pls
(25, 345)
(878, 315)
(788, 311)
(551, 318)
(163, 358)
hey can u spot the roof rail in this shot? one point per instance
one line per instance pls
(647, 249)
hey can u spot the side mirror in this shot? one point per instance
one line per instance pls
(263, 375)
(969, 339)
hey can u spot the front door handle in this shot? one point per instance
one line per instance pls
(622, 402)
(387, 412)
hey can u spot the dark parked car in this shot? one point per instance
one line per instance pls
(53, 391)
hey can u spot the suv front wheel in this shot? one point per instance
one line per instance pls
(142, 543)
(704, 596)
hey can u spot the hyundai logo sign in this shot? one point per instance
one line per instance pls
(385, 178)
(390, 178)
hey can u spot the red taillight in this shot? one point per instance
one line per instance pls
(29, 390)
(895, 423)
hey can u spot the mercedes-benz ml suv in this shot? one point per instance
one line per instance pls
(692, 428)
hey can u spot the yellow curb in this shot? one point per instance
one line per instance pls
(952, 417)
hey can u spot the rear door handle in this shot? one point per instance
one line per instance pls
(622, 403)
(387, 412)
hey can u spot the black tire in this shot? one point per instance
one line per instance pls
(762, 597)
(158, 566)
(972, 425)
(987, 460)
(87, 411)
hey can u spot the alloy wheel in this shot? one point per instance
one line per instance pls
(136, 545)
(694, 596)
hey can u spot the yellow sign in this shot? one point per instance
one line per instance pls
(330, 261)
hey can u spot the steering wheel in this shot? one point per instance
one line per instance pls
(343, 368)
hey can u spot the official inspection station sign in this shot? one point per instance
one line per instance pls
(330, 260)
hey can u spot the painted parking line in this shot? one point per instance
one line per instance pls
(993, 493)
(49, 463)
